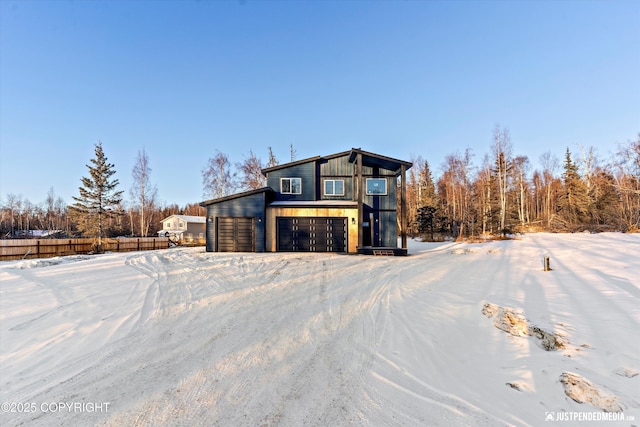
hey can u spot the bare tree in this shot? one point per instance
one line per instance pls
(217, 179)
(503, 164)
(456, 191)
(273, 161)
(485, 184)
(143, 193)
(293, 152)
(520, 170)
(588, 165)
(13, 207)
(55, 212)
(627, 180)
(550, 184)
(251, 173)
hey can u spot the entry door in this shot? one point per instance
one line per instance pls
(236, 234)
(312, 234)
(371, 230)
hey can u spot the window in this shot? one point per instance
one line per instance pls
(334, 187)
(376, 186)
(291, 185)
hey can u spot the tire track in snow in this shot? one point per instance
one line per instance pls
(244, 307)
(412, 400)
(291, 339)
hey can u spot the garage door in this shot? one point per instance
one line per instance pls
(236, 235)
(312, 234)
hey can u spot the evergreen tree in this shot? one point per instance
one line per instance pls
(427, 202)
(425, 220)
(426, 187)
(606, 200)
(98, 196)
(574, 201)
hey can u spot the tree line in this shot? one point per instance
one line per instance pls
(99, 210)
(500, 196)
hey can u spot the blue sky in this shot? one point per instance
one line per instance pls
(401, 78)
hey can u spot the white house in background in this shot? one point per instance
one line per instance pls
(183, 228)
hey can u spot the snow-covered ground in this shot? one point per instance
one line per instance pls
(455, 334)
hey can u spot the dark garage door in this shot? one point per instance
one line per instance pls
(236, 235)
(312, 234)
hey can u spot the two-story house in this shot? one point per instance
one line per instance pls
(345, 202)
(184, 228)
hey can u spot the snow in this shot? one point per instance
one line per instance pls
(451, 335)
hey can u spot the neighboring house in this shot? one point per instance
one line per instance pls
(183, 228)
(345, 202)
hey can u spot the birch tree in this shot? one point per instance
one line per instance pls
(217, 178)
(251, 177)
(503, 164)
(627, 180)
(520, 169)
(549, 183)
(485, 185)
(143, 193)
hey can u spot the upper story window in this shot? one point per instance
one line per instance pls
(291, 185)
(334, 187)
(376, 186)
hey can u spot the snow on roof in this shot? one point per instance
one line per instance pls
(188, 218)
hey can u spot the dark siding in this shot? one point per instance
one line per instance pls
(252, 206)
(381, 202)
(336, 168)
(316, 171)
(305, 171)
(383, 208)
(388, 229)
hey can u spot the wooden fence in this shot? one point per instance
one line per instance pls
(45, 248)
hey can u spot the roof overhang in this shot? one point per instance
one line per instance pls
(236, 196)
(372, 159)
(286, 165)
(368, 159)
